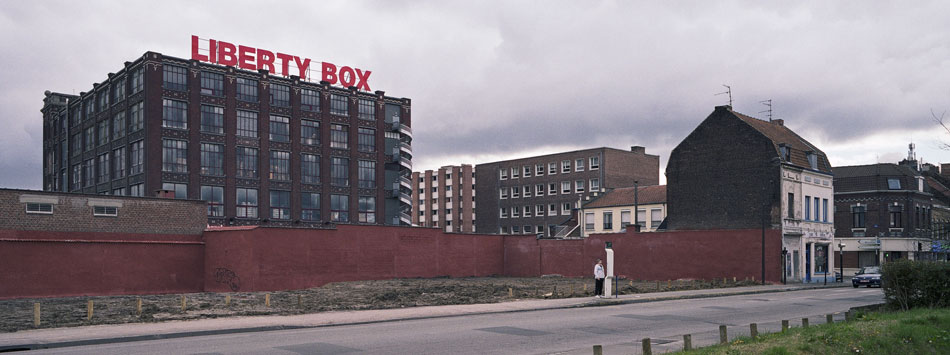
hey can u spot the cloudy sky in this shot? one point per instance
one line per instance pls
(508, 79)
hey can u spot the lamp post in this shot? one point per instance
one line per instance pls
(784, 265)
(841, 260)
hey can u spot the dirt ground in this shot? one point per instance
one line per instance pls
(18, 314)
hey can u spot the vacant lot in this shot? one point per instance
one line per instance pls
(73, 311)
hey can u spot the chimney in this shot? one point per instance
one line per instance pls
(779, 122)
(638, 149)
(169, 194)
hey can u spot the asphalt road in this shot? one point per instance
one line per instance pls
(618, 328)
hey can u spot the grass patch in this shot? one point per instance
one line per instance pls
(918, 331)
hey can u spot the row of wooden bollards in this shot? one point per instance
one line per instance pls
(90, 307)
(723, 337)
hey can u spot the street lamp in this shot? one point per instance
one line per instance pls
(784, 265)
(841, 260)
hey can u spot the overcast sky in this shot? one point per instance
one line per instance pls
(508, 79)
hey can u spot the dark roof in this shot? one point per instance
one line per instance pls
(624, 196)
(781, 135)
(886, 169)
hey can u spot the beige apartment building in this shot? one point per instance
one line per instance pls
(444, 198)
(612, 212)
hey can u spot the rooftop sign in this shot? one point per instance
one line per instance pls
(250, 58)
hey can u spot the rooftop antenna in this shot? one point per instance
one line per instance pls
(769, 111)
(910, 151)
(728, 91)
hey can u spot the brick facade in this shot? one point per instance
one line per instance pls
(448, 192)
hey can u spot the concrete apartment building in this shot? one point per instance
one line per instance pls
(538, 194)
(602, 213)
(260, 148)
(444, 198)
(738, 172)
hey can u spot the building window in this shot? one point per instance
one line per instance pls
(103, 97)
(214, 195)
(656, 217)
(104, 169)
(503, 212)
(137, 157)
(212, 119)
(539, 190)
(791, 205)
(608, 221)
(309, 206)
(642, 218)
(552, 168)
(367, 110)
(136, 117)
(893, 184)
(246, 203)
(552, 189)
(246, 90)
(279, 204)
(180, 190)
(118, 192)
(594, 185)
(279, 165)
(310, 100)
(552, 209)
(589, 221)
(118, 90)
(279, 129)
(539, 170)
(137, 190)
(118, 163)
(105, 211)
(280, 95)
(77, 177)
(366, 141)
(817, 210)
(624, 218)
(526, 193)
(212, 159)
(89, 172)
(367, 207)
(90, 138)
(579, 165)
(41, 208)
(785, 152)
(309, 168)
(246, 162)
(527, 211)
(338, 105)
(526, 171)
(138, 80)
(515, 191)
(174, 78)
(807, 208)
(813, 160)
(367, 174)
(565, 166)
(565, 187)
(339, 208)
(539, 210)
(174, 114)
(566, 208)
(824, 210)
(594, 163)
(174, 155)
(340, 171)
(515, 172)
(247, 124)
(579, 186)
(339, 138)
(503, 193)
(503, 174)
(895, 213)
(77, 143)
(212, 84)
(857, 216)
(104, 131)
(118, 125)
(309, 132)
(90, 108)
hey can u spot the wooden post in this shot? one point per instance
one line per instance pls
(227, 300)
(724, 280)
(510, 293)
(182, 303)
(733, 279)
(657, 285)
(89, 310)
(598, 350)
(554, 293)
(646, 347)
(585, 289)
(267, 299)
(299, 301)
(36, 314)
(687, 342)
(754, 330)
(723, 338)
(138, 306)
(804, 322)
(572, 290)
(669, 284)
(784, 325)
(830, 318)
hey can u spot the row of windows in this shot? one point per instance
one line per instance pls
(247, 204)
(821, 209)
(527, 229)
(538, 170)
(176, 78)
(175, 160)
(109, 166)
(922, 216)
(526, 211)
(47, 208)
(109, 129)
(552, 189)
(110, 95)
(656, 217)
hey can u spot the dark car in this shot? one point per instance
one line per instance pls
(867, 276)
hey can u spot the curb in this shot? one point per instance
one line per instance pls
(592, 303)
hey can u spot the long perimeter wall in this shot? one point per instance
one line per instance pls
(54, 264)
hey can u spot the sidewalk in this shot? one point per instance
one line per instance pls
(114, 333)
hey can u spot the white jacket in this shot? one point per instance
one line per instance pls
(599, 271)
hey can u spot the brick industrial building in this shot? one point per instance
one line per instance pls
(444, 198)
(536, 195)
(260, 148)
(738, 172)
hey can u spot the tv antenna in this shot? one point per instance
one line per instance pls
(727, 92)
(769, 111)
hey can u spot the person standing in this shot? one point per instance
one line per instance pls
(599, 279)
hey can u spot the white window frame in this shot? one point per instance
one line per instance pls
(526, 191)
(594, 163)
(503, 174)
(539, 190)
(566, 191)
(592, 183)
(526, 171)
(539, 210)
(503, 193)
(552, 168)
(515, 172)
(39, 208)
(527, 211)
(539, 170)
(553, 191)
(503, 212)
(105, 211)
(579, 186)
(565, 166)
(565, 212)
(579, 164)
(515, 211)
(515, 191)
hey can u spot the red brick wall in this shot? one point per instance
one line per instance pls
(56, 264)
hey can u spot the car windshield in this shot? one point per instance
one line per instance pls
(870, 270)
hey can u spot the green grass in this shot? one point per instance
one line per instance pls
(919, 331)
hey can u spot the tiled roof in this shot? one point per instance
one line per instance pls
(624, 196)
(779, 134)
(886, 169)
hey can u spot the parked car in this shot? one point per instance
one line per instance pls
(867, 276)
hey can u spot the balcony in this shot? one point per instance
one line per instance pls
(405, 182)
(792, 226)
(404, 198)
(405, 162)
(405, 148)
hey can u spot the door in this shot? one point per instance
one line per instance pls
(808, 262)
